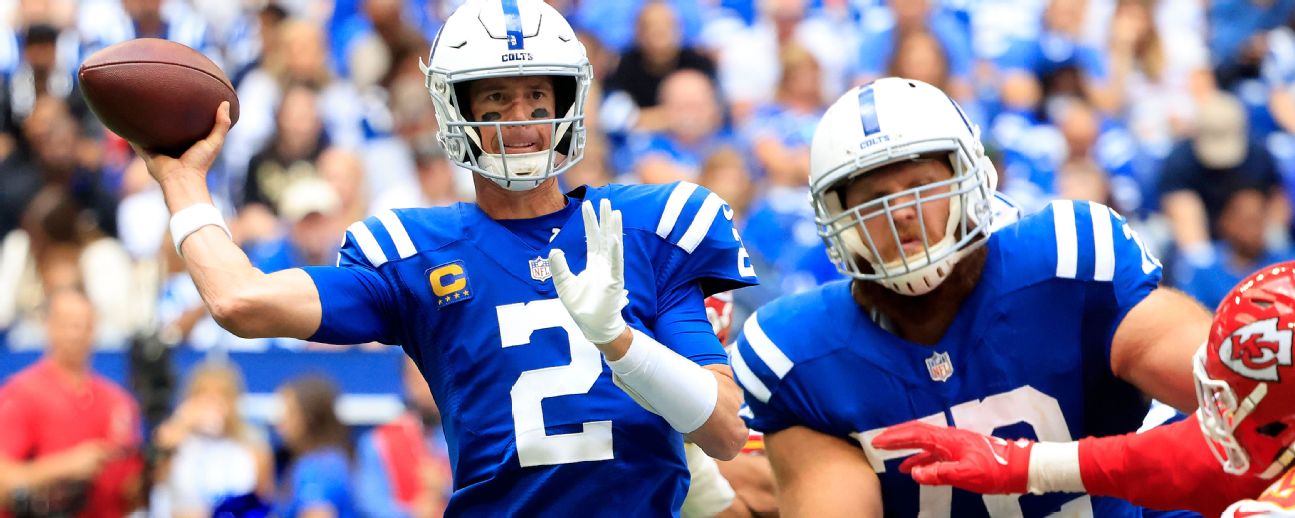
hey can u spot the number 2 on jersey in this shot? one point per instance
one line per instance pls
(534, 446)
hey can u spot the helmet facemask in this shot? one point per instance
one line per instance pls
(1236, 443)
(854, 248)
(461, 136)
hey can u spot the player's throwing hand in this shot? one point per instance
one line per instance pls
(595, 297)
(197, 159)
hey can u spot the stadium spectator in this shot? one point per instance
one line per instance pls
(594, 170)
(388, 31)
(694, 130)
(1083, 180)
(209, 454)
(918, 55)
(141, 215)
(779, 133)
(343, 170)
(70, 440)
(389, 159)
(725, 173)
(1203, 172)
(435, 181)
(39, 74)
(290, 155)
(1238, 36)
(254, 35)
(299, 57)
(395, 26)
(403, 467)
(886, 31)
(1161, 72)
(310, 209)
(1239, 250)
(105, 23)
(66, 226)
(613, 23)
(657, 52)
(317, 482)
(1057, 62)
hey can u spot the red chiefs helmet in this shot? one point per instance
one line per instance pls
(719, 310)
(1245, 379)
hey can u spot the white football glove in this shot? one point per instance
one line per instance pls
(596, 296)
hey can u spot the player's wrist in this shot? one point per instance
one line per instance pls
(618, 347)
(185, 222)
(184, 187)
(1054, 467)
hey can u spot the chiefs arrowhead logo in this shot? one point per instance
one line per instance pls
(1257, 349)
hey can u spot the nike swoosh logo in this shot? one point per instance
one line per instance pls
(997, 457)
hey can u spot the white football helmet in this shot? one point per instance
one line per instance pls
(509, 38)
(884, 122)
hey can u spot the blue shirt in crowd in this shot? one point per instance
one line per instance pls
(321, 477)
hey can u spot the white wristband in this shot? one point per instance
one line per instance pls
(666, 383)
(1054, 468)
(189, 219)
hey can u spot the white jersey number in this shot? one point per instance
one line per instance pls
(534, 446)
(1022, 405)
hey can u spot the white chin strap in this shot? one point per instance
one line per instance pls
(924, 279)
(528, 169)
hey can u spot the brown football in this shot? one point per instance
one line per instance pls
(158, 94)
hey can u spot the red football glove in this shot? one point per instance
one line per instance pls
(960, 458)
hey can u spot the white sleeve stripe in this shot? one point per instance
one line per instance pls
(701, 223)
(1103, 245)
(674, 207)
(368, 245)
(748, 379)
(399, 236)
(1063, 218)
(768, 352)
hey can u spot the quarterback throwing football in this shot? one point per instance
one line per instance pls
(554, 384)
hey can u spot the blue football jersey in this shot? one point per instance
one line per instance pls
(1028, 355)
(532, 419)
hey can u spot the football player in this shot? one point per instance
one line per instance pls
(954, 314)
(1245, 422)
(558, 388)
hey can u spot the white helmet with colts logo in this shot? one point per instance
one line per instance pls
(486, 39)
(884, 122)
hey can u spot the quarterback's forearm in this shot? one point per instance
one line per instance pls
(702, 402)
(242, 299)
(724, 433)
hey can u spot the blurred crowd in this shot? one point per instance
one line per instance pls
(1180, 114)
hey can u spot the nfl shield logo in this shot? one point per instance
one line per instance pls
(540, 269)
(939, 366)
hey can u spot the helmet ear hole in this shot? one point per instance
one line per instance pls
(462, 94)
(564, 92)
(1272, 429)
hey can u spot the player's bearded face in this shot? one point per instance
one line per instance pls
(511, 99)
(913, 221)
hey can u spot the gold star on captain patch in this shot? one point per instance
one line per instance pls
(466, 293)
(457, 295)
